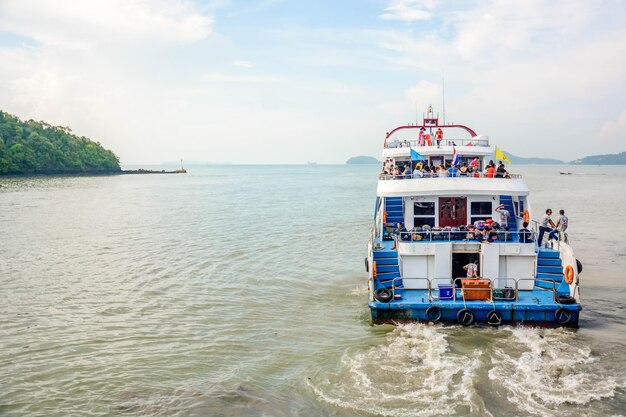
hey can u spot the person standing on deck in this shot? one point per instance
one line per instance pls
(561, 226)
(420, 137)
(439, 136)
(543, 226)
(504, 215)
(472, 269)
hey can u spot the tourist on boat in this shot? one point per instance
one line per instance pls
(395, 172)
(490, 171)
(427, 139)
(525, 235)
(433, 172)
(417, 172)
(475, 164)
(420, 137)
(407, 171)
(383, 174)
(453, 171)
(501, 171)
(439, 136)
(464, 170)
(388, 165)
(503, 214)
(442, 171)
(561, 226)
(472, 269)
(546, 221)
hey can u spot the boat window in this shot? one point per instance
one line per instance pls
(481, 210)
(424, 213)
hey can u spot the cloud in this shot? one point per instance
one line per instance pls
(409, 10)
(81, 23)
(244, 64)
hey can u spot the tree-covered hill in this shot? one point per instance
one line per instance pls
(30, 147)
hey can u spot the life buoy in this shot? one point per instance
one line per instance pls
(433, 314)
(374, 269)
(526, 216)
(569, 274)
(385, 217)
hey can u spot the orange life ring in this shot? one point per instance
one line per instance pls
(374, 269)
(526, 216)
(569, 274)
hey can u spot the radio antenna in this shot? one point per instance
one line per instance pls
(443, 97)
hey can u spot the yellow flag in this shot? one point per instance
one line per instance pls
(501, 156)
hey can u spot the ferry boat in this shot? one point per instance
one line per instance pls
(442, 247)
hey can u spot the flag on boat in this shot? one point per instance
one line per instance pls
(415, 156)
(455, 157)
(501, 156)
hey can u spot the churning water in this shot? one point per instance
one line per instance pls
(240, 291)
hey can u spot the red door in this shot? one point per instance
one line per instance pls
(452, 211)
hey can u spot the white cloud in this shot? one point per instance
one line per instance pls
(243, 64)
(80, 23)
(409, 10)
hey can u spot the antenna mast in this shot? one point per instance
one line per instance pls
(443, 97)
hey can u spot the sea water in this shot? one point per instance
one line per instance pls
(241, 291)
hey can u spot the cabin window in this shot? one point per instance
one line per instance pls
(424, 214)
(481, 210)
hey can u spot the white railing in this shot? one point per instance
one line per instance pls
(398, 143)
(426, 176)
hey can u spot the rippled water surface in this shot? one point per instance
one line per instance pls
(240, 291)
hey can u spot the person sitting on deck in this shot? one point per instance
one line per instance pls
(453, 171)
(525, 235)
(417, 171)
(442, 171)
(464, 170)
(490, 171)
(401, 233)
(501, 171)
(407, 171)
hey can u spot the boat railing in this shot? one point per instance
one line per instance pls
(492, 236)
(499, 289)
(474, 175)
(399, 143)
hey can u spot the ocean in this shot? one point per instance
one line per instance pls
(241, 291)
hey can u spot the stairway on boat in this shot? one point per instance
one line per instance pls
(550, 271)
(387, 268)
(507, 200)
(395, 210)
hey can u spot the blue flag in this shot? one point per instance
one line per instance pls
(415, 156)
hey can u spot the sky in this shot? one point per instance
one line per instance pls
(287, 81)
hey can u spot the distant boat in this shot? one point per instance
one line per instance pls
(565, 173)
(311, 163)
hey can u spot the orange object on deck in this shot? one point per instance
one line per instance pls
(476, 289)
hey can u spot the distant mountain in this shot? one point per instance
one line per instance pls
(362, 160)
(609, 159)
(519, 160)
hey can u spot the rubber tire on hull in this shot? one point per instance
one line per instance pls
(579, 266)
(433, 314)
(383, 295)
(465, 317)
(563, 316)
(494, 318)
(565, 299)
(367, 266)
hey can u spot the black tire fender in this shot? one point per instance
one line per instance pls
(367, 265)
(383, 295)
(433, 313)
(579, 266)
(563, 315)
(494, 318)
(565, 299)
(465, 317)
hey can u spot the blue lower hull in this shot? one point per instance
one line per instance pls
(536, 308)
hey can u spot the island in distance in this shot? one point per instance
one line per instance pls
(37, 148)
(362, 160)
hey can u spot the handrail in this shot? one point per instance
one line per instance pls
(404, 143)
(502, 235)
(435, 126)
(387, 177)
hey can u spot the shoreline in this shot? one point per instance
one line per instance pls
(51, 173)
